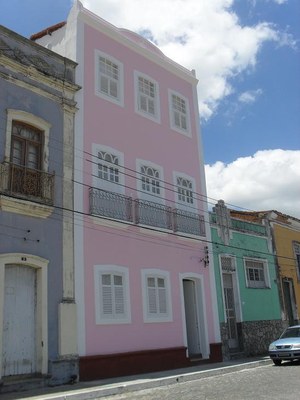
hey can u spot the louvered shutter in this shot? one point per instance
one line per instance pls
(107, 301)
(162, 296)
(119, 295)
(152, 307)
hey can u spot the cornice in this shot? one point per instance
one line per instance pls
(31, 72)
(25, 207)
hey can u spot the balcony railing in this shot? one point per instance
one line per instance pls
(142, 212)
(26, 183)
(189, 222)
(153, 214)
(244, 226)
(111, 205)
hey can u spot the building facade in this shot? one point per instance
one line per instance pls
(145, 290)
(247, 283)
(285, 233)
(37, 308)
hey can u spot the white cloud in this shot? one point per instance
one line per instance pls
(280, 1)
(250, 96)
(205, 35)
(269, 180)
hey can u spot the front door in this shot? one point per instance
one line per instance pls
(289, 302)
(19, 325)
(191, 318)
(230, 311)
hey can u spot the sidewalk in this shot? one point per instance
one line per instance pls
(113, 386)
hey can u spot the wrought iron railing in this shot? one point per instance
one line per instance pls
(143, 212)
(188, 222)
(26, 183)
(153, 214)
(111, 205)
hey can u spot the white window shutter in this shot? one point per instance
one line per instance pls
(104, 84)
(162, 298)
(119, 300)
(107, 300)
(143, 103)
(152, 300)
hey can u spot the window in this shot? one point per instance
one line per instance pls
(25, 168)
(26, 149)
(179, 113)
(185, 195)
(107, 169)
(150, 180)
(227, 263)
(109, 78)
(26, 145)
(297, 257)
(147, 97)
(185, 191)
(157, 304)
(256, 273)
(111, 294)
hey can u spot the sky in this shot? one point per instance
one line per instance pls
(246, 54)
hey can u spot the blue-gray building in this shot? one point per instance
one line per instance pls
(37, 306)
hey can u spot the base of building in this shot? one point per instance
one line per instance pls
(139, 362)
(63, 370)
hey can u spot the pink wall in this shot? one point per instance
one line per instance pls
(138, 137)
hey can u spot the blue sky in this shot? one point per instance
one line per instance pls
(247, 58)
(273, 121)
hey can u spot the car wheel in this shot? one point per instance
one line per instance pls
(277, 362)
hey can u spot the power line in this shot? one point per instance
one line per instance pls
(142, 236)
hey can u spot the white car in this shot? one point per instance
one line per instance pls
(287, 347)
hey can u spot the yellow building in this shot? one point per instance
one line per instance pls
(286, 234)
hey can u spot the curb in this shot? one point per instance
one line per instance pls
(96, 392)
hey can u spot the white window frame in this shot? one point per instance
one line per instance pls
(156, 274)
(182, 204)
(296, 248)
(185, 131)
(156, 116)
(250, 283)
(124, 318)
(101, 183)
(119, 100)
(145, 195)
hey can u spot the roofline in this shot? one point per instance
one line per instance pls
(100, 24)
(47, 31)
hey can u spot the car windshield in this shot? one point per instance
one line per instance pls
(292, 332)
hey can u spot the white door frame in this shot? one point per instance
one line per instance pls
(201, 311)
(41, 265)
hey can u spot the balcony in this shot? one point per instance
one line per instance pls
(144, 213)
(111, 205)
(25, 183)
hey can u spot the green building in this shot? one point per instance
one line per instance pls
(246, 283)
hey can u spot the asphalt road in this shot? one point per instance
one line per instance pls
(264, 382)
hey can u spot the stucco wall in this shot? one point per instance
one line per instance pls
(256, 304)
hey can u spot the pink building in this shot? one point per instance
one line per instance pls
(145, 291)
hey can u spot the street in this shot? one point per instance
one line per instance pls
(265, 382)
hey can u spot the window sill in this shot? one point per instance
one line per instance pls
(24, 207)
